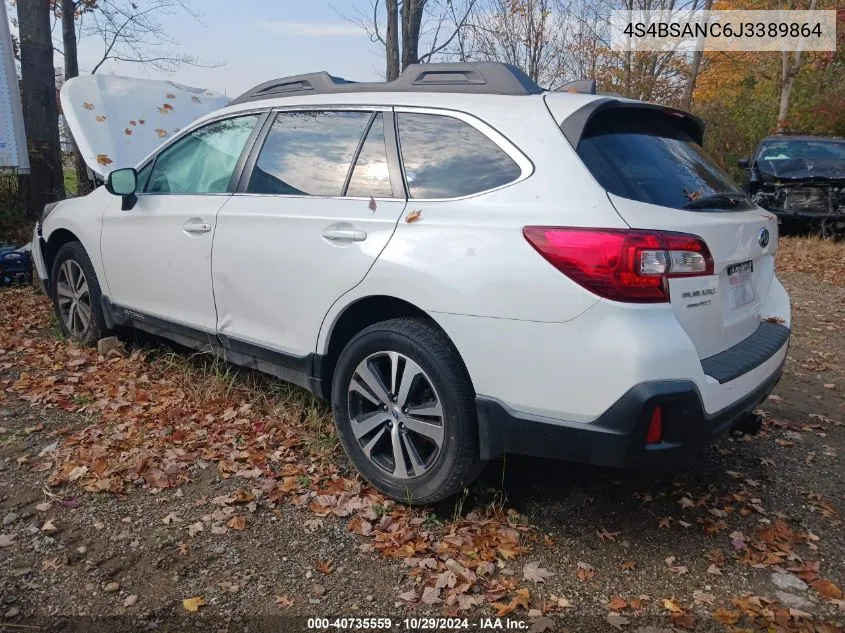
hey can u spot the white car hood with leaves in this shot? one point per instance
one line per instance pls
(117, 121)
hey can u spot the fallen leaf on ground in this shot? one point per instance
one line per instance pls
(671, 605)
(533, 571)
(617, 621)
(726, 616)
(542, 624)
(431, 595)
(826, 589)
(604, 535)
(703, 598)
(519, 600)
(585, 571)
(237, 522)
(714, 570)
(6, 540)
(324, 567)
(617, 603)
(195, 528)
(284, 601)
(409, 596)
(193, 604)
(48, 527)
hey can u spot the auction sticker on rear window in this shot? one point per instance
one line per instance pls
(742, 290)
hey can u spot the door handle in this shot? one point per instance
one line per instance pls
(345, 235)
(196, 227)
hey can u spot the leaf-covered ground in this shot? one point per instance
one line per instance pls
(170, 489)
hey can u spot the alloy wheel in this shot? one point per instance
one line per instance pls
(73, 297)
(395, 414)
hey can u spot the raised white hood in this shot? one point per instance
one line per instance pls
(117, 121)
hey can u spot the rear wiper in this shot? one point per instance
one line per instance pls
(725, 200)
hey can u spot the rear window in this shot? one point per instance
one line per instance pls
(649, 158)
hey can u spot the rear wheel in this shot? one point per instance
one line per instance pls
(76, 295)
(405, 411)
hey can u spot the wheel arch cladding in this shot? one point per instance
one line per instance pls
(358, 315)
(58, 238)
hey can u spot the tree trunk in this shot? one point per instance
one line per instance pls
(412, 12)
(788, 72)
(40, 110)
(695, 66)
(392, 39)
(790, 66)
(71, 71)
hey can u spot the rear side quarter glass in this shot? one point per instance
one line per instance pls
(445, 157)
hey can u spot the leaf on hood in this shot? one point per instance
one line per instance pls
(141, 121)
(196, 99)
(170, 95)
(193, 604)
(102, 159)
(88, 105)
(535, 573)
(373, 206)
(413, 216)
(128, 131)
(161, 133)
(101, 118)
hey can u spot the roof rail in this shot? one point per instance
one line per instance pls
(584, 86)
(471, 77)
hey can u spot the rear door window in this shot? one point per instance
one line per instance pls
(445, 157)
(308, 153)
(649, 158)
(371, 175)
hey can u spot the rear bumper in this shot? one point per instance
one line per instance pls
(618, 437)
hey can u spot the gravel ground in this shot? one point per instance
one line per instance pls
(621, 549)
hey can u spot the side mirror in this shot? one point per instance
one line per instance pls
(123, 182)
(743, 163)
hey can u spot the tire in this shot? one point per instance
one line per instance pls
(430, 377)
(73, 261)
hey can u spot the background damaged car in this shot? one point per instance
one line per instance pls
(801, 179)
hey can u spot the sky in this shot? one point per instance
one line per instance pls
(258, 40)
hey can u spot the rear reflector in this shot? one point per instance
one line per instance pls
(655, 427)
(623, 265)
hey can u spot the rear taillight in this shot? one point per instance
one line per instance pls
(623, 265)
(654, 435)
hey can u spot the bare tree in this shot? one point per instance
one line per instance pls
(790, 66)
(40, 110)
(529, 34)
(413, 31)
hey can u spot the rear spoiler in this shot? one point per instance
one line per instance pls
(574, 125)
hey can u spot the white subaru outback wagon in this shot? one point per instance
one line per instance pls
(465, 264)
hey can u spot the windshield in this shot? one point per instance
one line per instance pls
(647, 156)
(814, 149)
(802, 159)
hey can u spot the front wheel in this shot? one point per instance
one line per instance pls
(404, 409)
(76, 295)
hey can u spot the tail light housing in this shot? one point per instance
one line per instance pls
(628, 265)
